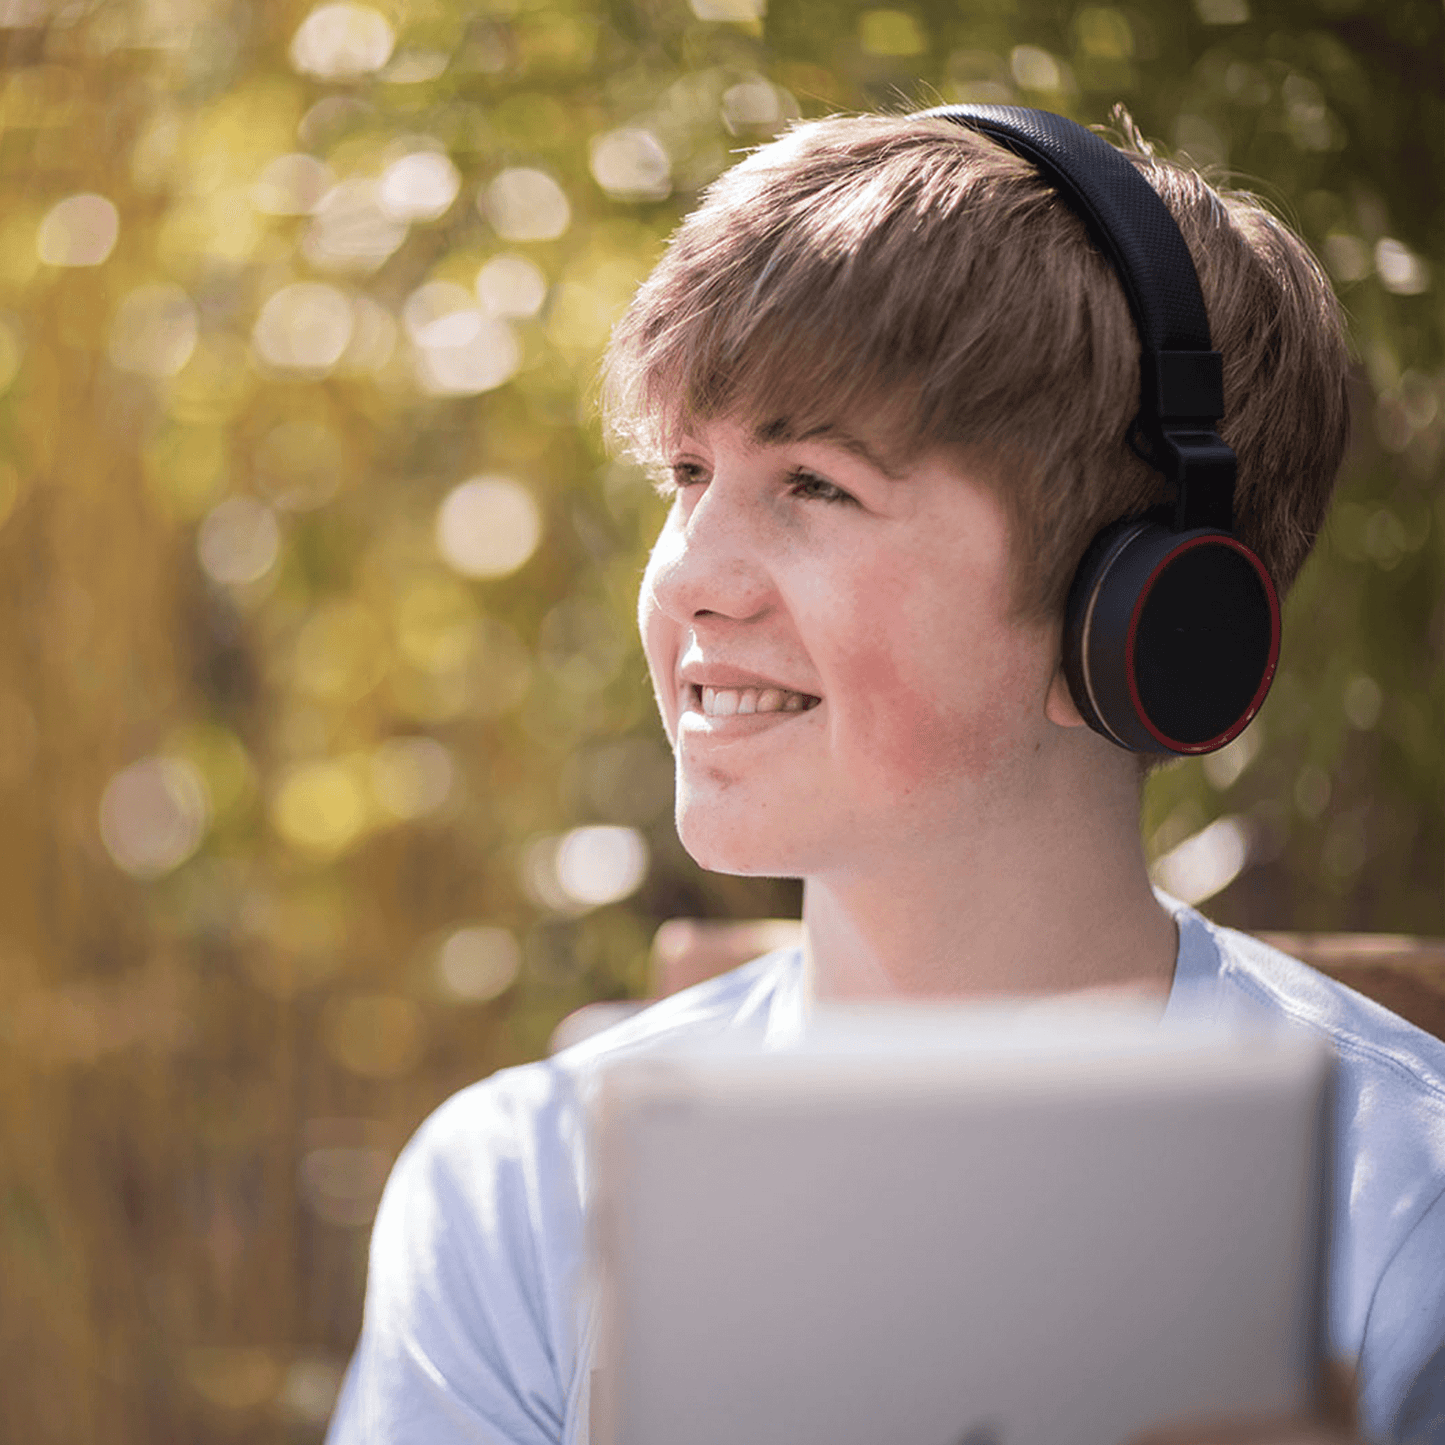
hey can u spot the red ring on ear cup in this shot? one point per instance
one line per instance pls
(1171, 639)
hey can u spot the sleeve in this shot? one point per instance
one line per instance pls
(459, 1334)
(1402, 1358)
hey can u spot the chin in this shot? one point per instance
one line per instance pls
(732, 847)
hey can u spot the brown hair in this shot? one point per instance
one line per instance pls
(915, 273)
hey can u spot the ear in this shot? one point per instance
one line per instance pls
(1059, 705)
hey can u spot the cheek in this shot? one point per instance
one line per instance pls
(927, 703)
(661, 642)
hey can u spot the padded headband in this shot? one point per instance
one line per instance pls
(1181, 380)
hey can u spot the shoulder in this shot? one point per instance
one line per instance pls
(503, 1118)
(471, 1327)
(1259, 978)
(1387, 1306)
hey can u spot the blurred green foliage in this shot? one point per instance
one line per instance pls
(329, 772)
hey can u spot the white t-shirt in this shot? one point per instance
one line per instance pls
(475, 1330)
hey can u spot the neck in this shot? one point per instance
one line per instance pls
(1048, 894)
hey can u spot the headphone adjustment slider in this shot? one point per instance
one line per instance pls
(1182, 385)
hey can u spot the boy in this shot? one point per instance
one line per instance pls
(891, 381)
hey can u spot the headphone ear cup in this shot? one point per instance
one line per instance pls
(1170, 638)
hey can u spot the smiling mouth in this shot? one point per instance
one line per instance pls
(745, 701)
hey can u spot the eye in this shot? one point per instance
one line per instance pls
(811, 487)
(681, 475)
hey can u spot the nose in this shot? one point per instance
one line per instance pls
(708, 561)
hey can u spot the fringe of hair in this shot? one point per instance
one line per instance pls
(924, 279)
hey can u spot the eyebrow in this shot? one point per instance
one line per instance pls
(781, 430)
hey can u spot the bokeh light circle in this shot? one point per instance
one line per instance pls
(154, 331)
(477, 963)
(524, 204)
(419, 187)
(238, 542)
(154, 815)
(512, 286)
(305, 327)
(600, 864)
(630, 164)
(78, 231)
(342, 41)
(488, 527)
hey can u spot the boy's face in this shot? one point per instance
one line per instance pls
(833, 653)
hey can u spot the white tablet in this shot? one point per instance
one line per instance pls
(958, 1227)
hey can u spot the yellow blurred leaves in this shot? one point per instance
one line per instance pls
(228, 143)
(214, 384)
(221, 760)
(150, 1007)
(435, 621)
(324, 806)
(340, 653)
(185, 469)
(321, 808)
(890, 32)
(379, 1036)
(40, 97)
(588, 302)
(234, 1378)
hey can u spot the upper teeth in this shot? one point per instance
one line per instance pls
(725, 701)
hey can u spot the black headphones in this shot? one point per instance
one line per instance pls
(1171, 629)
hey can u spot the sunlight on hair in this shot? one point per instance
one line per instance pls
(154, 331)
(305, 327)
(350, 231)
(78, 231)
(342, 42)
(630, 164)
(477, 963)
(526, 205)
(322, 807)
(412, 777)
(239, 541)
(1206, 863)
(292, 185)
(154, 815)
(511, 286)
(379, 1036)
(419, 187)
(488, 527)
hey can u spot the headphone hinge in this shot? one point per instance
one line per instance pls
(1203, 468)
